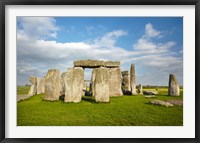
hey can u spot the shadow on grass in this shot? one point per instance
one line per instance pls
(88, 99)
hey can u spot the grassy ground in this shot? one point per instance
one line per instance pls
(121, 111)
(22, 90)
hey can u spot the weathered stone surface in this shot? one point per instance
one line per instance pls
(96, 63)
(176, 102)
(150, 96)
(33, 89)
(133, 80)
(101, 85)
(52, 85)
(173, 88)
(40, 85)
(90, 88)
(115, 82)
(126, 83)
(140, 89)
(74, 84)
(161, 102)
(125, 73)
(37, 83)
(93, 79)
(150, 92)
(22, 97)
(62, 83)
(84, 88)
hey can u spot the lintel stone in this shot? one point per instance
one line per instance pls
(125, 73)
(96, 63)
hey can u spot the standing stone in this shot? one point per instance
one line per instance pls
(90, 88)
(101, 85)
(74, 84)
(173, 88)
(140, 89)
(41, 86)
(52, 85)
(37, 83)
(93, 79)
(115, 82)
(126, 83)
(84, 88)
(62, 83)
(133, 80)
(33, 89)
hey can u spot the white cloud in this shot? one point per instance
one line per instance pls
(37, 27)
(150, 31)
(109, 39)
(37, 55)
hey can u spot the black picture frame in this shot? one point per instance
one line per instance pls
(4, 3)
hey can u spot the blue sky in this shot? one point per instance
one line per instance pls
(153, 44)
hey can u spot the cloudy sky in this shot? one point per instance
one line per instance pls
(153, 44)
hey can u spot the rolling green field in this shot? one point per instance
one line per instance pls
(121, 111)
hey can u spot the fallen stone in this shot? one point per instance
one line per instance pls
(22, 97)
(173, 88)
(133, 80)
(96, 63)
(176, 102)
(150, 96)
(161, 102)
(101, 85)
(150, 92)
(115, 82)
(52, 85)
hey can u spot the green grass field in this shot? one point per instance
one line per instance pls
(121, 111)
(22, 90)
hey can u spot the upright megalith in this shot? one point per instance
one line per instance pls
(115, 82)
(101, 85)
(84, 90)
(33, 89)
(93, 79)
(133, 80)
(126, 83)
(173, 88)
(52, 85)
(40, 85)
(140, 89)
(62, 83)
(74, 84)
